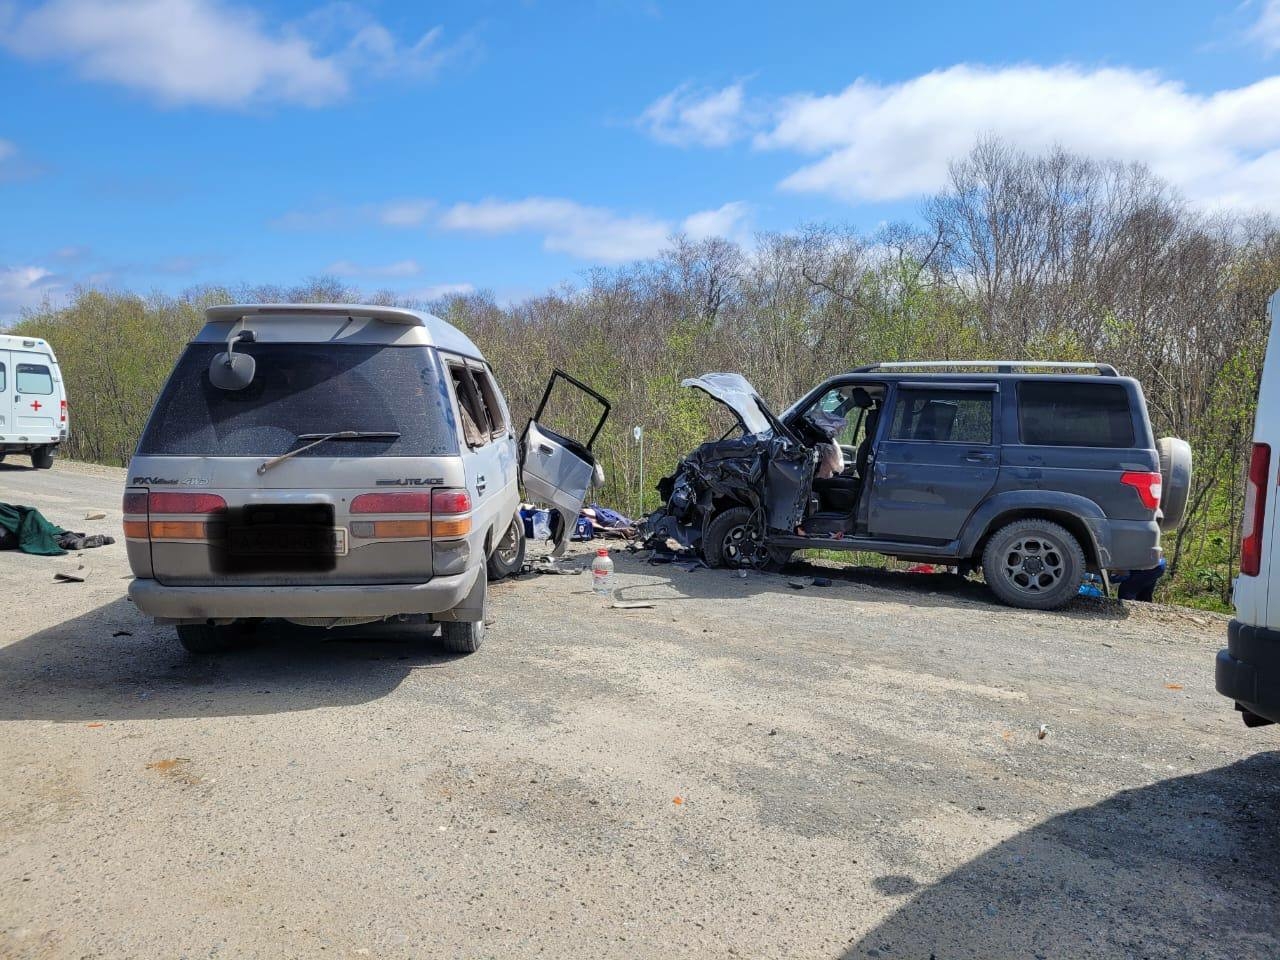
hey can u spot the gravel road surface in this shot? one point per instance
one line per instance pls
(744, 769)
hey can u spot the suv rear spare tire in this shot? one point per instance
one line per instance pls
(1033, 564)
(1175, 480)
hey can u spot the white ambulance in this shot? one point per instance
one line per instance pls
(1248, 671)
(33, 400)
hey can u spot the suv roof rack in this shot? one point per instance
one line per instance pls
(1001, 366)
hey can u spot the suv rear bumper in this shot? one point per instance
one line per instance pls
(1130, 544)
(1248, 671)
(438, 595)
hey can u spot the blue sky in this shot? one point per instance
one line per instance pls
(427, 147)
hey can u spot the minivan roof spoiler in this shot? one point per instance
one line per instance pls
(236, 311)
(1000, 366)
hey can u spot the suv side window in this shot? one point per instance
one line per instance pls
(1074, 414)
(475, 419)
(942, 416)
(489, 394)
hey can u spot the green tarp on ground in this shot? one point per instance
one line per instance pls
(35, 534)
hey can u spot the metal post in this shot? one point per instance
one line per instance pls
(638, 434)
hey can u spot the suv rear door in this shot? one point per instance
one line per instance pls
(554, 468)
(937, 459)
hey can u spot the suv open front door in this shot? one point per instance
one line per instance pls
(554, 468)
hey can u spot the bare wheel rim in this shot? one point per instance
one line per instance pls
(741, 547)
(1034, 564)
(509, 546)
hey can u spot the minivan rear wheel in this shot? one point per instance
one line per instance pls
(204, 639)
(508, 553)
(1033, 564)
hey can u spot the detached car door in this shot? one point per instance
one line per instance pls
(556, 469)
(935, 462)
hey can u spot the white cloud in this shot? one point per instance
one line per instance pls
(891, 141)
(394, 213)
(708, 118)
(216, 53)
(441, 290)
(404, 213)
(400, 268)
(591, 233)
(728, 221)
(24, 287)
(1266, 29)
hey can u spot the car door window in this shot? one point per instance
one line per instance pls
(3, 384)
(942, 416)
(33, 378)
(492, 405)
(475, 421)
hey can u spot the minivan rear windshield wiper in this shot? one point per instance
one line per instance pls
(319, 438)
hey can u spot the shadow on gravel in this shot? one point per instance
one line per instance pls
(881, 586)
(79, 671)
(1183, 868)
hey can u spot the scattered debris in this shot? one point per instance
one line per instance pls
(95, 724)
(95, 515)
(77, 573)
(677, 800)
(821, 581)
(632, 604)
(122, 633)
(1042, 732)
(741, 574)
(1173, 686)
(798, 584)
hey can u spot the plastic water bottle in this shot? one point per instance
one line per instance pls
(602, 574)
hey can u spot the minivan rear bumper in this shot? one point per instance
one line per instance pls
(1248, 671)
(438, 595)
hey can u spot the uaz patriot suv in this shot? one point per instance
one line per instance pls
(1036, 477)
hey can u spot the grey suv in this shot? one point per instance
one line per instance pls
(1035, 472)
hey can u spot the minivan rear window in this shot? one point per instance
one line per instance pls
(1063, 414)
(305, 388)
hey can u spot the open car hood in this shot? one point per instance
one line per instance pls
(733, 390)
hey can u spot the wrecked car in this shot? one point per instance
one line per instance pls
(1036, 477)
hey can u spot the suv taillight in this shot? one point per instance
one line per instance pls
(1255, 510)
(1148, 485)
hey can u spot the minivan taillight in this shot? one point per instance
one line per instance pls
(1148, 485)
(450, 513)
(152, 515)
(1255, 510)
(398, 505)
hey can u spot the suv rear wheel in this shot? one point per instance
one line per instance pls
(1033, 564)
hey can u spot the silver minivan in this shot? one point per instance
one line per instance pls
(337, 464)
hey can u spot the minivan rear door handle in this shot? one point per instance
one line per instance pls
(979, 456)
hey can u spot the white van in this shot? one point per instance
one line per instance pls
(335, 464)
(33, 402)
(1248, 671)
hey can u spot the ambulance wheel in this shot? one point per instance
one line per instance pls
(42, 458)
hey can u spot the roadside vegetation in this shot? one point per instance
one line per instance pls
(1040, 257)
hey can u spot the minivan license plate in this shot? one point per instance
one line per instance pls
(290, 541)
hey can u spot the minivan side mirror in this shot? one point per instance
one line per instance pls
(231, 370)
